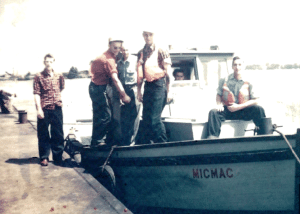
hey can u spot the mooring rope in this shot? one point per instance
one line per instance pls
(288, 143)
(111, 151)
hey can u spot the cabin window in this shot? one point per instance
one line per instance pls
(195, 96)
(185, 64)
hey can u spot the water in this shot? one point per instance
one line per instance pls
(277, 88)
(76, 101)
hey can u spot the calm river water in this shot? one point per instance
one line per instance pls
(278, 88)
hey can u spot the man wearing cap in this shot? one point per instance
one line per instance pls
(104, 68)
(126, 116)
(153, 66)
(235, 101)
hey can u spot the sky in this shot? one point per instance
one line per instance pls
(77, 31)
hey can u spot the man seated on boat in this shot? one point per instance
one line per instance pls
(179, 74)
(6, 102)
(235, 101)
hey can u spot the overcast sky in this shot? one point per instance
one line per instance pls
(76, 31)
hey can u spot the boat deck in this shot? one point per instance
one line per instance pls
(26, 187)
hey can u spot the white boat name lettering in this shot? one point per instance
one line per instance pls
(213, 173)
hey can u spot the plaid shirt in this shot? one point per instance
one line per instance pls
(49, 89)
(163, 57)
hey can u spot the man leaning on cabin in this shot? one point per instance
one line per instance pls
(103, 69)
(47, 87)
(153, 66)
(235, 101)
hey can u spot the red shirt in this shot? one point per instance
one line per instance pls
(103, 67)
(49, 89)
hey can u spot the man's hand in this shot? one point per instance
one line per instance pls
(234, 107)
(220, 107)
(139, 96)
(126, 99)
(170, 98)
(40, 114)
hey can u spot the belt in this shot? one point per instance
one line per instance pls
(130, 86)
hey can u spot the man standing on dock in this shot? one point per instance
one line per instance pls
(153, 66)
(103, 69)
(126, 117)
(47, 87)
(235, 101)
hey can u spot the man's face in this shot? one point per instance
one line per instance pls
(179, 76)
(238, 66)
(125, 53)
(148, 37)
(115, 47)
(48, 63)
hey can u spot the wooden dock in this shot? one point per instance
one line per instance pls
(26, 187)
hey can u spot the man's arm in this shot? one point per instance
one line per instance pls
(140, 83)
(37, 97)
(254, 100)
(124, 97)
(220, 106)
(40, 112)
(236, 107)
(140, 76)
(169, 80)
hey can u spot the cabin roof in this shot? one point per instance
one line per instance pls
(201, 53)
(209, 53)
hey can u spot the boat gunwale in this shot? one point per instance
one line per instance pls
(205, 159)
(195, 142)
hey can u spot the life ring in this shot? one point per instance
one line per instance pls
(106, 176)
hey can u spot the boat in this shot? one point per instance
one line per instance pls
(237, 173)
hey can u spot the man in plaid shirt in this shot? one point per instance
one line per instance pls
(47, 89)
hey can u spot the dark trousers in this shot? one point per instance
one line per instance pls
(154, 101)
(101, 112)
(130, 118)
(125, 118)
(54, 118)
(215, 118)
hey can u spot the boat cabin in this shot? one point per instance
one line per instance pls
(186, 116)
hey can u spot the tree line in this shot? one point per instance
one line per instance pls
(272, 66)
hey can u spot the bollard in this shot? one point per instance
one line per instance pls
(266, 126)
(22, 116)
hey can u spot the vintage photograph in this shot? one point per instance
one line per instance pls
(149, 107)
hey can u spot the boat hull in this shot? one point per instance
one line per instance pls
(257, 174)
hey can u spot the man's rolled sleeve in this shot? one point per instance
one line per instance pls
(36, 85)
(164, 56)
(111, 66)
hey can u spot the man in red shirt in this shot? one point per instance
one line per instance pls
(103, 70)
(47, 89)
